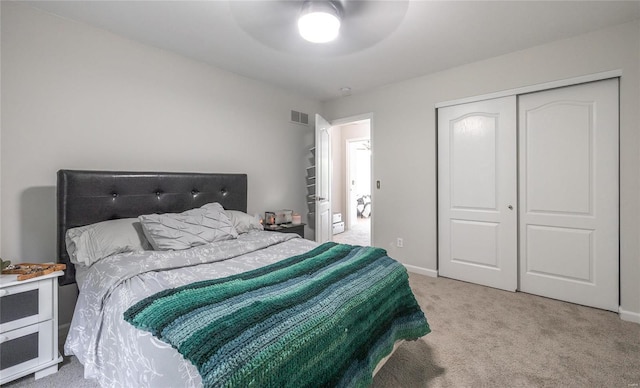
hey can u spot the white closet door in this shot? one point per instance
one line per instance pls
(569, 194)
(477, 193)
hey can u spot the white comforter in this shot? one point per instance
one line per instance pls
(119, 355)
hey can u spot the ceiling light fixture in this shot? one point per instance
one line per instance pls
(319, 21)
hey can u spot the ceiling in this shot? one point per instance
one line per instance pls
(382, 42)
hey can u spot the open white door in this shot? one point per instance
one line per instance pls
(323, 180)
(477, 199)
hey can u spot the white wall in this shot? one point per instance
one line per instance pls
(77, 97)
(404, 154)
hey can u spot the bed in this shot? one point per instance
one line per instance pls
(231, 288)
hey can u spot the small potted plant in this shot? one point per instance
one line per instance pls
(5, 263)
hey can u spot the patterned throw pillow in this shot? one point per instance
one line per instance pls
(191, 228)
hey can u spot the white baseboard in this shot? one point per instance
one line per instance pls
(422, 271)
(629, 315)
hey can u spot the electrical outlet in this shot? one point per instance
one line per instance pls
(400, 242)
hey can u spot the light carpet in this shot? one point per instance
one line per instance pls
(483, 337)
(358, 234)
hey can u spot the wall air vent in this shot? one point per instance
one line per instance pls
(299, 117)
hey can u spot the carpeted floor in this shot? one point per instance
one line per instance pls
(359, 234)
(483, 337)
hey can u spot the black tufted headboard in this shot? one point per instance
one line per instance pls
(87, 197)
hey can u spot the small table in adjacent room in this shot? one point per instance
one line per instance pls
(286, 228)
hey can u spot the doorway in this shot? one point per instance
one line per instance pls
(352, 207)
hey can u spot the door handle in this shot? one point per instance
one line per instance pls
(321, 199)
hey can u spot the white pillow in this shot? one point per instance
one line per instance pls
(90, 243)
(188, 229)
(243, 222)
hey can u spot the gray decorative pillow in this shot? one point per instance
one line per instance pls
(90, 243)
(191, 228)
(243, 222)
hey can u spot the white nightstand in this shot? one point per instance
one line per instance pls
(28, 326)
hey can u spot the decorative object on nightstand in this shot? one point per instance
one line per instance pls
(29, 325)
(4, 264)
(278, 217)
(269, 218)
(31, 270)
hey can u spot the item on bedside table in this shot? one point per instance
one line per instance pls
(31, 270)
(296, 219)
(278, 217)
(269, 218)
(284, 216)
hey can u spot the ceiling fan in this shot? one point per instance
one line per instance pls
(362, 24)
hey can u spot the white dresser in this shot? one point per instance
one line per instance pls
(28, 326)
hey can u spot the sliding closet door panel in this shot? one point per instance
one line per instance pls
(569, 194)
(563, 133)
(477, 192)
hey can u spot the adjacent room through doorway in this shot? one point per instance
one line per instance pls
(351, 183)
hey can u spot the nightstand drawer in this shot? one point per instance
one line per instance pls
(25, 304)
(26, 348)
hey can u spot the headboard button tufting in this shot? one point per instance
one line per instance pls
(114, 195)
(194, 192)
(224, 192)
(158, 193)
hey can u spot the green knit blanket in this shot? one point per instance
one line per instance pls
(323, 318)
